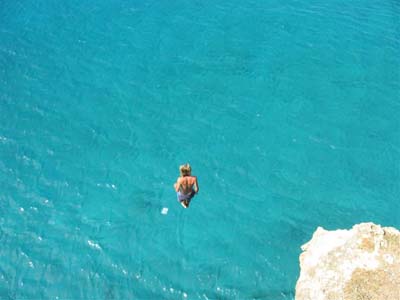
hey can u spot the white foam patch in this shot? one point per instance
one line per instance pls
(164, 211)
(94, 245)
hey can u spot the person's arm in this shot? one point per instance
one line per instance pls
(177, 185)
(196, 186)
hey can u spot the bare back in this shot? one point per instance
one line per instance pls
(186, 184)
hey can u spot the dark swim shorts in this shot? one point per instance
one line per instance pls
(182, 197)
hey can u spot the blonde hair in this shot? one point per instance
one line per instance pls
(185, 170)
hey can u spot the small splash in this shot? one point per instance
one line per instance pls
(107, 185)
(94, 245)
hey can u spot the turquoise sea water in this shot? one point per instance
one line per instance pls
(288, 112)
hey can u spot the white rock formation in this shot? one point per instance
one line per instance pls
(358, 264)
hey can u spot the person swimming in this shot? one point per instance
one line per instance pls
(186, 185)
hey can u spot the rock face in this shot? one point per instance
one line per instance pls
(358, 264)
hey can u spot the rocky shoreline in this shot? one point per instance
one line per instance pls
(362, 263)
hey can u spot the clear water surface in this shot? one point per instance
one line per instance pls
(288, 112)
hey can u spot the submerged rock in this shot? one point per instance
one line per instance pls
(358, 264)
